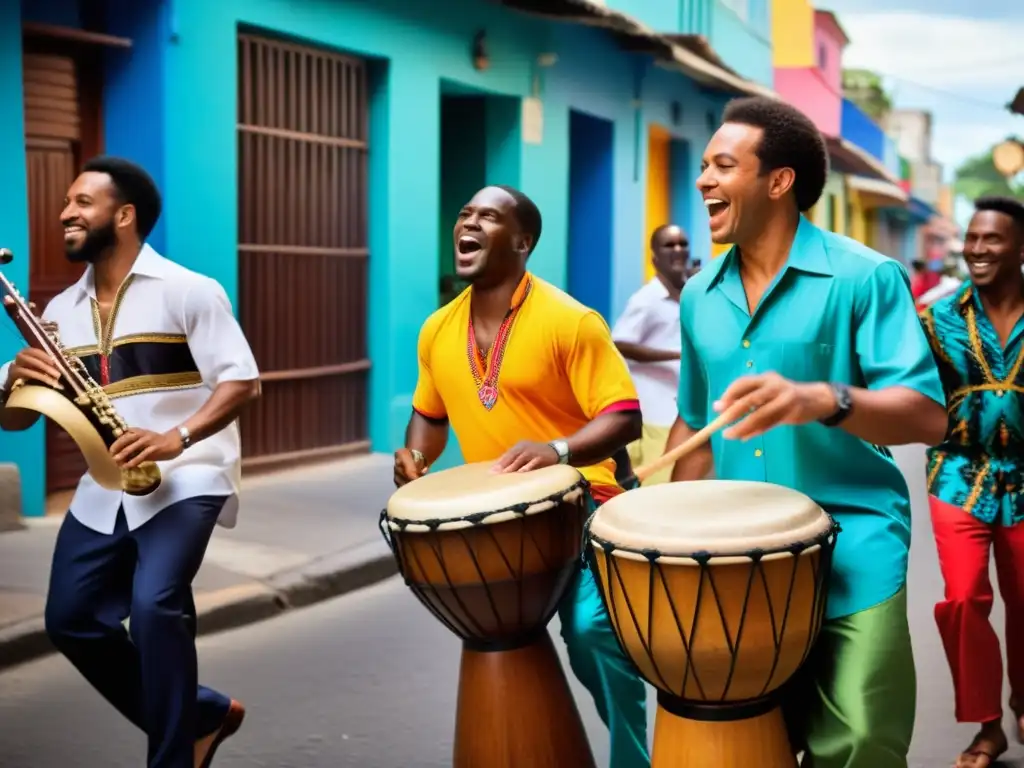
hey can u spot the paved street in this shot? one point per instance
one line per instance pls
(368, 680)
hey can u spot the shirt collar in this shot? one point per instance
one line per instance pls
(520, 293)
(807, 254)
(148, 263)
(658, 288)
(965, 296)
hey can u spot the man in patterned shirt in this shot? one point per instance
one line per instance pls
(976, 476)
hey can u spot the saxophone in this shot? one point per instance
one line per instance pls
(82, 409)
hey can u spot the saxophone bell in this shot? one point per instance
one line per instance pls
(82, 409)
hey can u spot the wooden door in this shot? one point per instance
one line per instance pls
(303, 255)
(62, 128)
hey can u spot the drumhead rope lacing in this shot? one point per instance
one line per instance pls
(710, 707)
(446, 600)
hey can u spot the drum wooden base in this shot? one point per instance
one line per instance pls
(760, 741)
(515, 710)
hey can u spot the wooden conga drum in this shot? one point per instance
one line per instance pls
(490, 556)
(716, 591)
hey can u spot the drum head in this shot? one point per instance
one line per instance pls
(474, 489)
(720, 517)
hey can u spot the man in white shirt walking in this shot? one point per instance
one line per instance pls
(163, 342)
(648, 337)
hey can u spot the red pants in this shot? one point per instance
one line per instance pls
(972, 647)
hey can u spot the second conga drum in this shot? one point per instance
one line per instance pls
(491, 555)
(716, 591)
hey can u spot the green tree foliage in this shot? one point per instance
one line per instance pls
(977, 177)
(864, 88)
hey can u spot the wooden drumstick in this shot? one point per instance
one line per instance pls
(694, 442)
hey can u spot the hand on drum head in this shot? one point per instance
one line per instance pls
(772, 401)
(407, 468)
(526, 457)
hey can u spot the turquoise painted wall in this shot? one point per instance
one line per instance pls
(15, 446)
(739, 30)
(614, 81)
(659, 15)
(745, 43)
(185, 54)
(405, 162)
(131, 130)
(699, 118)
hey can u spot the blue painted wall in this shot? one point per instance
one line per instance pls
(859, 129)
(739, 31)
(133, 123)
(15, 446)
(171, 105)
(62, 12)
(594, 76)
(591, 211)
(699, 117)
(744, 42)
(659, 15)
(695, 17)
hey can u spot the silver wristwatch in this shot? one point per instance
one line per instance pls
(562, 449)
(186, 437)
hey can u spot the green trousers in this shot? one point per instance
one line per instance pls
(598, 662)
(852, 705)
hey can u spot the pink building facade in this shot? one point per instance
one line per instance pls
(818, 89)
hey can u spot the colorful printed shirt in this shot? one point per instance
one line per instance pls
(978, 466)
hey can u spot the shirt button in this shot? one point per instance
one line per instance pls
(746, 343)
(750, 363)
(999, 393)
(758, 453)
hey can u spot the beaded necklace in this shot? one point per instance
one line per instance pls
(487, 386)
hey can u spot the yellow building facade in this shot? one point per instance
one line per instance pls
(792, 46)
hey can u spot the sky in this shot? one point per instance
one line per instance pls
(963, 60)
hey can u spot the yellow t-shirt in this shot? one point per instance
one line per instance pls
(559, 371)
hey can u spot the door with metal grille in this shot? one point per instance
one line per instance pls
(62, 121)
(303, 255)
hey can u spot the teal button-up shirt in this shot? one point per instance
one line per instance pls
(838, 311)
(980, 465)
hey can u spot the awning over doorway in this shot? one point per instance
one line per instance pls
(848, 158)
(674, 52)
(39, 31)
(877, 193)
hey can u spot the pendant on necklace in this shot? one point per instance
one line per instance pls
(488, 395)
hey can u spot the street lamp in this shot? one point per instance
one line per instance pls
(1008, 157)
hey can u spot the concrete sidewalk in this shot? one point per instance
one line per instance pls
(302, 536)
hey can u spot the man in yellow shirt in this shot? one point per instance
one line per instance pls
(528, 377)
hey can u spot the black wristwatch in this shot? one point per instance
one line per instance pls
(844, 404)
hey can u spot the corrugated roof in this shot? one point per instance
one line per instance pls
(669, 51)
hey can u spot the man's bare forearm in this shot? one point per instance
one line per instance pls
(428, 436)
(891, 416)
(697, 464)
(603, 436)
(225, 405)
(644, 354)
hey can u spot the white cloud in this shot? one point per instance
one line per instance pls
(963, 70)
(955, 140)
(947, 52)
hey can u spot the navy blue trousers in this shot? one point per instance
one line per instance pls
(150, 674)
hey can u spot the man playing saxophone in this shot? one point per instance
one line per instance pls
(163, 343)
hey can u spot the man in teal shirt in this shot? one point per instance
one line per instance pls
(818, 335)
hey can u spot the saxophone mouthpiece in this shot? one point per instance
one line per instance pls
(6, 257)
